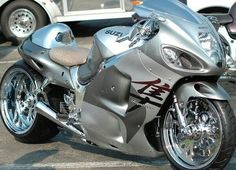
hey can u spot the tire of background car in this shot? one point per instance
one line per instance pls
(19, 19)
(219, 137)
(18, 105)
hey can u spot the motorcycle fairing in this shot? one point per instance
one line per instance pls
(129, 95)
(107, 41)
(119, 122)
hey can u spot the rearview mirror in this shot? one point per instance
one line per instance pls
(232, 26)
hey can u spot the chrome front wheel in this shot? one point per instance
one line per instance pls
(199, 145)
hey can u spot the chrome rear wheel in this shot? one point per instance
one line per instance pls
(18, 97)
(18, 101)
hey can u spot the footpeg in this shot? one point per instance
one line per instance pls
(71, 121)
(74, 117)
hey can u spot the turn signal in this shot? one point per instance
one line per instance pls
(136, 2)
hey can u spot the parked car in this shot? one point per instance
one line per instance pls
(20, 18)
(210, 6)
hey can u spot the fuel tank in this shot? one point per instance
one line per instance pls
(54, 35)
(106, 40)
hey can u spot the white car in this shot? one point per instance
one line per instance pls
(20, 18)
(210, 6)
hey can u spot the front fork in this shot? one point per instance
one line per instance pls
(181, 118)
(195, 89)
(184, 125)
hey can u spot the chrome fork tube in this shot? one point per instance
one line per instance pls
(180, 116)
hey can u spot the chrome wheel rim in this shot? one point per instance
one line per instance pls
(198, 145)
(18, 101)
(22, 22)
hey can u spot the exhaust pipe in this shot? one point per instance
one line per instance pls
(47, 112)
(227, 78)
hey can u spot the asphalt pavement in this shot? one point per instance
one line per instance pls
(66, 151)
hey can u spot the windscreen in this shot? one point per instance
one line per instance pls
(168, 7)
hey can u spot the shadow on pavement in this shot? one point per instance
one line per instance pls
(6, 49)
(8, 53)
(69, 139)
(35, 157)
(2, 38)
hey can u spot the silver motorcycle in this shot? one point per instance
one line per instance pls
(142, 90)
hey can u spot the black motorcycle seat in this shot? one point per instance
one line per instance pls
(69, 56)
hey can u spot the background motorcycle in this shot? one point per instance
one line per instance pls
(142, 90)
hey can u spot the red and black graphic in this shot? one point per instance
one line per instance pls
(152, 89)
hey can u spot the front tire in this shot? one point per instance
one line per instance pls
(20, 19)
(18, 99)
(209, 140)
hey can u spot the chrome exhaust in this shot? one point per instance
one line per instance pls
(47, 112)
(227, 78)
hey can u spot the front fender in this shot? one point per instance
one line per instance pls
(201, 89)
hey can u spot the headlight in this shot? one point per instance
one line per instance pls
(179, 59)
(207, 41)
(211, 47)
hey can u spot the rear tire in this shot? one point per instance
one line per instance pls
(213, 141)
(19, 19)
(18, 106)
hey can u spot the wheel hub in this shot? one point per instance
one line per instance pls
(192, 132)
(197, 143)
(22, 22)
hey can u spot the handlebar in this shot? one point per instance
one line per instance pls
(144, 29)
